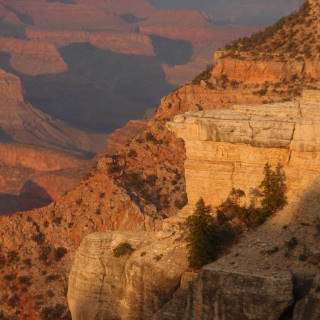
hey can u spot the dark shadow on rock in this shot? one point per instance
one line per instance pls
(102, 89)
(172, 52)
(31, 196)
(12, 30)
(4, 137)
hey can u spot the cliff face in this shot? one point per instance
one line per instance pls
(225, 148)
(129, 287)
(33, 58)
(33, 177)
(135, 189)
(279, 56)
(22, 161)
(25, 124)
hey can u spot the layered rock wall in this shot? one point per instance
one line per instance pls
(122, 42)
(228, 148)
(130, 287)
(33, 57)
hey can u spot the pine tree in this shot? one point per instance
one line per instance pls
(201, 248)
(273, 188)
(206, 236)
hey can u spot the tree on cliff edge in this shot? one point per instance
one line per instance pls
(206, 236)
(273, 189)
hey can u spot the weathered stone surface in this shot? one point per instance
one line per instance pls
(257, 72)
(228, 148)
(309, 306)
(130, 287)
(33, 57)
(223, 294)
(25, 124)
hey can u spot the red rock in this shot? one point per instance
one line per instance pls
(121, 42)
(25, 124)
(33, 57)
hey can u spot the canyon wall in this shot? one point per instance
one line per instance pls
(259, 279)
(25, 124)
(228, 148)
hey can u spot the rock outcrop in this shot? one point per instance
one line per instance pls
(132, 286)
(33, 57)
(25, 124)
(221, 293)
(308, 307)
(131, 43)
(228, 148)
(135, 190)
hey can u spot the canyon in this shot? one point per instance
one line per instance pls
(71, 73)
(225, 149)
(145, 185)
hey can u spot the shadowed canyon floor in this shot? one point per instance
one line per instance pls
(84, 68)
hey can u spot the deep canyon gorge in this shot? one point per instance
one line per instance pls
(75, 189)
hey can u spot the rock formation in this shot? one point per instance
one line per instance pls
(25, 124)
(136, 189)
(33, 58)
(26, 168)
(128, 287)
(131, 43)
(225, 149)
(33, 177)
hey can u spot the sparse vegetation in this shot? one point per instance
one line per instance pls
(209, 234)
(45, 252)
(59, 311)
(12, 257)
(181, 201)
(283, 40)
(123, 249)
(59, 253)
(203, 76)
(206, 236)
(25, 280)
(273, 189)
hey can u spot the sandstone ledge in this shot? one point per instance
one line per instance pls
(131, 287)
(228, 148)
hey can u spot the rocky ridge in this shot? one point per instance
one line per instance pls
(223, 152)
(25, 124)
(109, 200)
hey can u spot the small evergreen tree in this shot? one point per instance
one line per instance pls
(206, 236)
(273, 189)
(200, 243)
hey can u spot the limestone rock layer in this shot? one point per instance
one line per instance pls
(228, 148)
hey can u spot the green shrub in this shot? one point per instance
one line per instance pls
(59, 253)
(273, 189)
(132, 153)
(10, 277)
(123, 249)
(12, 257)
(209, 236)
(206, 236)
(25, 280)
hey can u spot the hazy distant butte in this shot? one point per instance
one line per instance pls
(25, 124)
